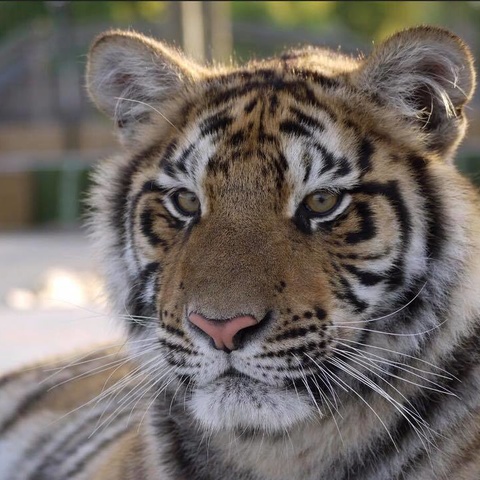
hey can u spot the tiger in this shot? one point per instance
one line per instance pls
(295, 260)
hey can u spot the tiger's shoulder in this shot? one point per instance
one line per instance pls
(55, 419)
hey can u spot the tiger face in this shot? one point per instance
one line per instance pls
(268, 221)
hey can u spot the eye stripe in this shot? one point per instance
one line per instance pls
(308, 224)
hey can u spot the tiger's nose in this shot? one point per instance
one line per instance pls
(222, 331)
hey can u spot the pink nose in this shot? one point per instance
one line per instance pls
(222, 331)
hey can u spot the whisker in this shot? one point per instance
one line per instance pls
(99, 369)
(405, 412)
(340, 325)
(325, 400)
(149, 106)
(332, 392)
(392, 313)
(337, 379)
(105, 393)
(156, 396)
(140, 370)
(144, 369)
(123, 404)
(80, 361)
(305, 382)
(440, 389)
(363, 364)
(449, 375)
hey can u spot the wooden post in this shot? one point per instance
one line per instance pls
(204, 29)
(218, 31)
(193, 29)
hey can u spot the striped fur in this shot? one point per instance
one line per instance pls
(365, 360)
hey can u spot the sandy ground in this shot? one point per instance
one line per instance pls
(48, 297)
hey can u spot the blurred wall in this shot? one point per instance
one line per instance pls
(50, 135)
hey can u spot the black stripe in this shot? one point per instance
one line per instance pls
(64, 450)
(365, 277)
(23, 407)
(311, 347)
(119, 195)
(30, 400)
(172, 222)
(181, 163)
(364, 155)
(10, 377)
(437, 233)
(174, 331)
(319, 78)
(274, 103)
(78, 466)
(237, 138)
(136, 304)
(298, 90)
(170, 169)
(359, 256)
(305, 119)
(147, 222)
(294, 128)
(293, 333)
(367, 230)
(327, 158)
(124, 212)
(391, 191)
(177, 348)
(344, 167)
(348, 295)
(307, 163)
(250, 105)
(149, 187)
(214, 124)
(168, 153)
(280, 165)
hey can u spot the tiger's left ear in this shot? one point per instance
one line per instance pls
(132, 78)
(427, 75)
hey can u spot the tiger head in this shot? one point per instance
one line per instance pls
(267, 222)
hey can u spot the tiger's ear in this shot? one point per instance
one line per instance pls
(427, 75)
(130, 77)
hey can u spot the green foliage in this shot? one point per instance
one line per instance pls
(368, 20)
(365, 19)
(16, 14)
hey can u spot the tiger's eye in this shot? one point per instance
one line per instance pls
(187, 202)
(322, 202)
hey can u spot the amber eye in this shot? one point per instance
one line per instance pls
(186, 202)
(322, 202)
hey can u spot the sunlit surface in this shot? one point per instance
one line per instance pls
(51, 298)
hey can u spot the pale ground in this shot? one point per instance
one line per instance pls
(50, 297)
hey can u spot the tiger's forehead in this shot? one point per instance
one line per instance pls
(267, 136)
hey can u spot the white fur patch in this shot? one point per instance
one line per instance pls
(241, 402)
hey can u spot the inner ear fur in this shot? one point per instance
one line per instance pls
(129, 77)
(427, 75)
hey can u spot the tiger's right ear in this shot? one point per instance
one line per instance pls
(426, 75)
(130, 77)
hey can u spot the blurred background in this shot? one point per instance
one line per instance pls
(50, 135)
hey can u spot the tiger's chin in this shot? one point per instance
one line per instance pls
(240, 402)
